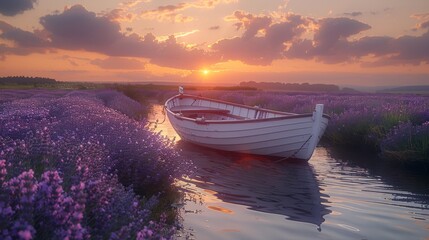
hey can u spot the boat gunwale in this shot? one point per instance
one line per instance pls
(286, 114)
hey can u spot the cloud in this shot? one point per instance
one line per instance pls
(133, 3)
(168, 13)
(170, 53)
(217, 27)
(353, 14)
(23, 42)
(424, 25)
(77, 28)
(374, 45)
(118, 63)
(120, 15)
(330, 43)
(421, 16)
(408, 50)
(262, 42)
(333, 29)
(23, 39)
(252, 24)
(328, 40)
(171, 13)
(421, 26)
(15, 7)
(211, 3)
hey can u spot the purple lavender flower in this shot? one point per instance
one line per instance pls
(64, 166)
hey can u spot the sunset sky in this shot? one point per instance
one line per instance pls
(345, 42)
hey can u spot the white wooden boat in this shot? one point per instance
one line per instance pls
(238, 128)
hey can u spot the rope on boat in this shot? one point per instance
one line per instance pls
(157, 120)
(293, 155)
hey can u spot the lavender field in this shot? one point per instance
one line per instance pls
(80, 165)
(84, 165)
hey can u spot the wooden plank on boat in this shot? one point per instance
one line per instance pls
(198, 109)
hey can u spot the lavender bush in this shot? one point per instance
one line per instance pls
(74, 166)
(407, 142)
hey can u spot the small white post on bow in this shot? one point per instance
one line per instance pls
(181, 90)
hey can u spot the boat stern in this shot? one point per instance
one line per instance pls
(319, 125)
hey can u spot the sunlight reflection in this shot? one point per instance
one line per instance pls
(220, 209)
(165, 128)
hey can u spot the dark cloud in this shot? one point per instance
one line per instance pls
(262, 50)
(171, 8)
(425, 25)
(24, 42)
(23, 39)
(377, 46)
(330, 42)
(264, 40)
(332, 30)
(77, 28)
(353, 14)
(334, 41)
(409, 50)
(252, 24)
(280, 33)
(14, 7)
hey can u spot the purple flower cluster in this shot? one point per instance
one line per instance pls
(407, 142)
(74, 166)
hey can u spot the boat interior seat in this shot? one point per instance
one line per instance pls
(198, 109)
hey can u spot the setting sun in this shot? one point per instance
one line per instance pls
(205, 72)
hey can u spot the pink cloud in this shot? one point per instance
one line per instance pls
(77, 28)
(264, 39)
(260, 50)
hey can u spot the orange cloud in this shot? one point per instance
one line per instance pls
(171, 13)
(168, 13)
(264, 39)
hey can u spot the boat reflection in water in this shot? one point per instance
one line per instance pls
(238, 196)
(259, 183)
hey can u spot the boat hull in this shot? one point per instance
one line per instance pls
(283, 137)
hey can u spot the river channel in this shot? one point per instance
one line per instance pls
(332, 196)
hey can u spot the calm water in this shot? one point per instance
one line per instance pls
(235, 196)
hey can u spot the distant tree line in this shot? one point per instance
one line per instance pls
(304, 87)
(235, 88)
(22, 80)
(407, 89)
